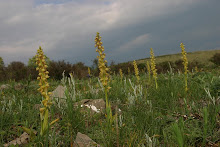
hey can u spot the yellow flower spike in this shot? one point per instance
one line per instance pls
(49, 103)
(136, 71)
(42, 110)
(44, 102)
(47, 97)
(89, 72)
(104, 76)
(185, 64)
(121, 74)
(149, 71)
(153, 66)
(47, 85)
(43, 93)
(44, 85)
(129, 70)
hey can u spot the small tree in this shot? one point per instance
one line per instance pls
(2, 68)
(16, 70)
(80, 70)
(56, 68)
(1, 62)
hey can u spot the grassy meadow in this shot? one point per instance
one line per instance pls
(138, 113)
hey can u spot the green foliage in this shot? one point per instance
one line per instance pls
(80, 70)
(203, 57)
(216, 59)
(2, 70)
(16, 71)
(56, 68)
(178, 133)
(141, 66)
(165, 66)
(123, 66)
(1, 62)
(215, 87)
(205, 117)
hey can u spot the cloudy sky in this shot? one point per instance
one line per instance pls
(66, 29)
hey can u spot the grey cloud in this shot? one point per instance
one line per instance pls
(66, 29)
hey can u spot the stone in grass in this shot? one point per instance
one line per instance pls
(95, 105)
(20, 141)
(4, 87)
(58, 95)
(59, 92)
(83, 140)
(37, 106)
(18, 86)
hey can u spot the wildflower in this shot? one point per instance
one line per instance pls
(148, 70)
(153, 66)
(89, 72)
(185, 64)
(104, 76)
(136, 70)
(129, 70)
(44, 85)
(121, 73)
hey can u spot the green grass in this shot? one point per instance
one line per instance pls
(167, 116)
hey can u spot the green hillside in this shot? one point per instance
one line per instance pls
(200, 56)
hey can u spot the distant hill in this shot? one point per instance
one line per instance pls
(200, 56)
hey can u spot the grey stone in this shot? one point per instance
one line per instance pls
(59, 92)
(18, 86)
(22, 140)
(83, 140)
(4, 87)
(95, 105)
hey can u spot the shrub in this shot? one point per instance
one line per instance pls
(56, 69)
(179, 65)
(80, 70)
(16, 71)
(216, 59)
(215, 87)
(141, 66)
(194, 64)
(2, 70)
(163, 67)
(31, 72)
(123, 66)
